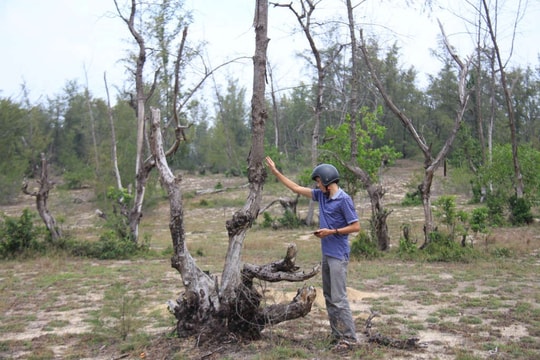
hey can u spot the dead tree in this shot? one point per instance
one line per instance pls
(287, 203)
(144, 164)
(114, 156)
(211, 307)
(42, 195)
(208, 308)
(431, 161)
(306, 22)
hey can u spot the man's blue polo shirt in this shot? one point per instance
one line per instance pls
(334, 213)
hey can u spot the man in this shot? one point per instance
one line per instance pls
(337, 219)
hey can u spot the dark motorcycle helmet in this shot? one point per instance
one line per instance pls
(327, 173)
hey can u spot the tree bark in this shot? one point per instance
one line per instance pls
(42, 195)
(243, 219)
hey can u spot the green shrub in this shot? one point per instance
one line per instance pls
(478, 219)
(119, 316)
(81, 248)
(290, 220)
(520, 211)
(477, 193)
(407, 248)
(18, 235)
(109, 246)
(364, 248)
(268, 221)
(495, 203)
(412, 199)
(76, 179)
(445, 210)
(120, 196)
(443, 248)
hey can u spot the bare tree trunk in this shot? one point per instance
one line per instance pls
(92, 125)
(141, 176)
(275, 108)
(354, 83)
(379, 214)
(113, 137)
(200, 287)
(243, 219)
(479, 97)
(42, 195)
(142, 168)
(492, 106)
(304, 20)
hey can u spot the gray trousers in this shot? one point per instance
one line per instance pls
(334, 279)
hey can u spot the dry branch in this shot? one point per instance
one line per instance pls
(285, 202)
(282, 270)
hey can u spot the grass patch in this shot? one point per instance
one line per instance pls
(470, 320)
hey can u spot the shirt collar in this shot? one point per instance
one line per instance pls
(337, 194)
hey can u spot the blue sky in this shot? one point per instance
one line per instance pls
(47, 43)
